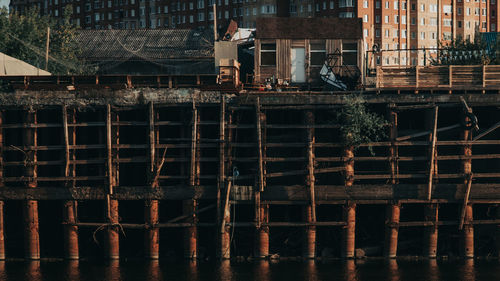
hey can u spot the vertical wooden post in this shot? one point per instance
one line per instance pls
(309, 250)
(349, 231)
(348, 158)
(224, 237)
(465, 134)
(261, 211)
(468, 233)
(32, 239)
(70, 207)
(392, 230)
(152, 234)
(190, 206)
(2, 237)
(431, 232)
(433, 152)
(113, 242)
(393, 150)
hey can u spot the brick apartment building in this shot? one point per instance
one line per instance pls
(389, 24)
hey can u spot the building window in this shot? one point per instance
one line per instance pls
(403, 19)
(318, 53)
(493, 26)
(201, 4)
(377, 19)
(365, 4)
(386, 19)
(447, 22)
(396, 5)
(350, 53)
(346, 3)
(396, 19)
(377, 32)
(201, 16)
(268, 54)
(387, 4)
(365, 18)
(332, 5)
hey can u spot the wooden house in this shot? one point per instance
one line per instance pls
(294, 49)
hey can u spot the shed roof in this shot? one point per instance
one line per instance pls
(12, 66)
(309, 28)
(151, 44)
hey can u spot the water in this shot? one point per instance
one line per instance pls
(373, 270)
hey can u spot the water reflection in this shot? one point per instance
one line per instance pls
(33, 271)
(73, 270)
(467, 270)
(393, 270)
(433, 270)
(262, 271)
(192, 270)
(112, 271)
(225, 271)
(154, 271)
(350, 272)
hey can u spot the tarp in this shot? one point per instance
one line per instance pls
(10, 66)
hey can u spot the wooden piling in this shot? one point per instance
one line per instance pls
(112, 137)
(261, 211)
(349, 230)
(190, 206)
(392, 230)
(348, 159)
(431, 232)
(393, 149)
(32, 238)
(467, 245)
(70, 207)
(2, 237)
(223, 218)
(309, 250)
(151, 214)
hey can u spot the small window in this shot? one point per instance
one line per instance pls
(318, 53)
(268, 54)
(350, 53)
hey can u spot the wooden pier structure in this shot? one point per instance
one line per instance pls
(219, 170)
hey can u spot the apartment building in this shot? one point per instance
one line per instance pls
(137, 14)
(389, 24)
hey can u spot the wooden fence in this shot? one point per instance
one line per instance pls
(445, 77)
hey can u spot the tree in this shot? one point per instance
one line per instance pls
(358, 125)
(23, 36)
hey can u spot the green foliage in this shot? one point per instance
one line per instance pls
(358, 125)
(462, 52)
(24, 36)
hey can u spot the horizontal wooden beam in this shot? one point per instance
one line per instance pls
(447, 192)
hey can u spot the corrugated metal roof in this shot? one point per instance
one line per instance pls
(153, 44)
(309, 28)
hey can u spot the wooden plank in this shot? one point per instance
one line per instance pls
(432, 155)
(489, 130)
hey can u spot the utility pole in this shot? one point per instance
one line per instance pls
(47, 50)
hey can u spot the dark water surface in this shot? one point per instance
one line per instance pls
(248, 271)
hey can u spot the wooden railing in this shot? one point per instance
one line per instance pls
(447, 77)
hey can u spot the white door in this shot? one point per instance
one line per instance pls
(298, 65)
